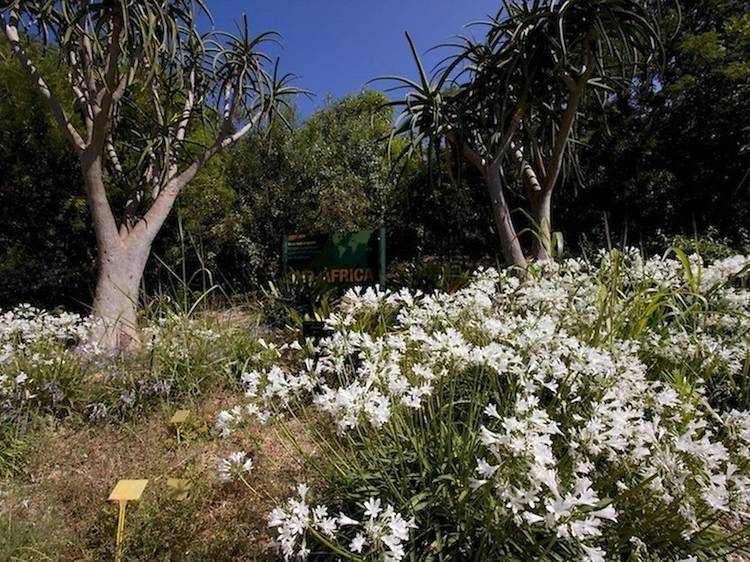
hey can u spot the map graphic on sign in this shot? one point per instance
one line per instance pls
(342, 258)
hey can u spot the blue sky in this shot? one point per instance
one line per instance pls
(336, 46)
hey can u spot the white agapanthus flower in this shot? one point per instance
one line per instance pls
(583, 402)
(235, 466)
(382, 530)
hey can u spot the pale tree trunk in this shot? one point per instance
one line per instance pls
(121, 260)
(509, 243)
(490, 171)
(121, 267)
(541, 215)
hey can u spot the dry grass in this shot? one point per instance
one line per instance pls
(60, 510)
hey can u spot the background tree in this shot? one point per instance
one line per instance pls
(591, 46)
(433, 115)
(113, 52)
(518, 92)
(327, 174)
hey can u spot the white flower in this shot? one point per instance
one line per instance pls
(576, 418)
(345, 520)
(385, 528)
(593, 554)
(235, 466)
(485, 469)
(358, 543)
(372, 507)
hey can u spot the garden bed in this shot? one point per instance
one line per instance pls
(593, 411)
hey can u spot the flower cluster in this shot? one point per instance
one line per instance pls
(24, 329)
(381, 533)
(234, 467)
(36, 356)
(267, 390)
(49, 363)
(25, 325)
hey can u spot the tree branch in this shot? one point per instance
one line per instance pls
(537, 153)
(566, 126)
(162, 205)
(11, 32)
(230, 106)
(507, 137)
(125, 78)
(473, 156)
(111, 89)
(78, 84)
(87, 60)
(109, 147)
(528, 175)
(182, 124)
(113, 56)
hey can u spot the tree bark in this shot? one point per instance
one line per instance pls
(541, 214)
(121, 267)
(509, 243)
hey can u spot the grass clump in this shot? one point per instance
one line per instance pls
(56, 508)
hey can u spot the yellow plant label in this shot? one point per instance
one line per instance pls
(180, 417)
(128, 490)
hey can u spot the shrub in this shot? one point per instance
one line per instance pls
(584, 413)
(296, 297)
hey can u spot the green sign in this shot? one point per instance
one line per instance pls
(343, 258)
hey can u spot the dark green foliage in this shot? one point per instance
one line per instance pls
(330, 173)
(675, 158)
(669, 159)
(431, 275)
(45, 241)
(296, 298)
(334, 174)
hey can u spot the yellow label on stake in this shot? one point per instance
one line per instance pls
(180, 417)
(128, 490)
(125, 491)
(179, 489)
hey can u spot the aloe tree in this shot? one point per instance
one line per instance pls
(509, 102)
(436, 112)
(577, 47)
(154, 101)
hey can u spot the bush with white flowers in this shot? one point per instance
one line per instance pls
(50, 366)
(593, 411)
(37, 368)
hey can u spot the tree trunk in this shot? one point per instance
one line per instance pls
(115, 306)
(509, 242)
(121, 260)
(541, 214)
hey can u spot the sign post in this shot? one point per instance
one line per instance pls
(178, 420)
(125, 491)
